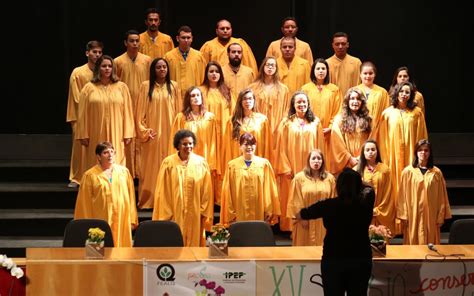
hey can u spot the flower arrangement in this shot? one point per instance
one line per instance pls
(96, 235)
(379, 236)
(211, 285)
(219, 233)
(10, 265)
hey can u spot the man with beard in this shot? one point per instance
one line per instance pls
(289, 28)
(79, 77)
(186, 64)
(215, 49)
(294, 71)
(153, 42)
(236, 76)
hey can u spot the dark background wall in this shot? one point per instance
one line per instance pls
(46, 40)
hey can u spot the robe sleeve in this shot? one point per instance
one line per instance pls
(402, 210)
(283, 164)
(444, 211)
(83, 209)
(295, 198)
(128, 117)
(163, 207)
(133, 203)
(228, 213)
(207, 200)
(143, 131)
(339, 154)
(272, 203)
(82, 131)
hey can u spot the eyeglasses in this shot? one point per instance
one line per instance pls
(270, 65)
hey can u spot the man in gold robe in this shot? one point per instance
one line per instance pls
(344, 69)
(294, 71)
(215, 49)
(186, 65)
(154, 43)
(107, 192)
(237, 76)
(289, 28)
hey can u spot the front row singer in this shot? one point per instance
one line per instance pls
(347, 257)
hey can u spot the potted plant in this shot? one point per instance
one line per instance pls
(218, 241)
(95, 244)
(379, 236)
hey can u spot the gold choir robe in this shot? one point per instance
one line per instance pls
(105, 114)
(205, 129)
(249, 193)
(238, 81)
(295, 76)
(133, 73)
(344, 146)
(303, 193)
(259, 127)
(325, 104)
(184, 195)
(303, 50)
(157, 115)
(157, 48)
(186, 73)
(398, 134)
(213, 50)
(384, 206)
(272, 102)
(79, 77)
(420, 101)
(344, 73)
(422, 205)
(294, 142)
(109, 200)
(377, 101)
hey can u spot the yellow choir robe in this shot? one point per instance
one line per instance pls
(294, 142)
(79, 77)
(112, 201)
(423, 204)
(303, 50)
(273, 102)
(377, 101)
(344, 73)
(325, 104)
(184, 195)
(344, 146)
(105, 114)
(213, 50)
(155, 49)
(398, 134)
(303, 193)
(384, 207)
(296, 75)
(249, 193)
(157, 115)
(420, 101)
(186, 73)
(259, 127)
(133, 73)
(238, 81)
(205, 129)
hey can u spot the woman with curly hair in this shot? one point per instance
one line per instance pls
(351, 128)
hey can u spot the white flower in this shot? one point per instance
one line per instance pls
(2, 258)
(8, 263)
(17, 272)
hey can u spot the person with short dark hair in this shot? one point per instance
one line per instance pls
(79, 77)
(294, 71)
(154, 43)
(346, 218)
(402, 74)
(249, 189)
(107, 192)
(216, 49)
(423, 203)
(289, 28)
(186, 63)
(237, 76)
(184, 191)
(344, 69)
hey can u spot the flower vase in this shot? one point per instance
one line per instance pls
(95, 250)
(379, 248)
(218, 249)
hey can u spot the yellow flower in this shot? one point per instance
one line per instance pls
(96, 235)
(219, 233)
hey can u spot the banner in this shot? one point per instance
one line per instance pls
(199, 278)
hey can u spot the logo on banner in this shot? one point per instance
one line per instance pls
(234, 277)
(166, 274)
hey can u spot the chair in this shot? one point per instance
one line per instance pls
(461, 232)
(77, 231)
(158, 234)
(251, 234)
